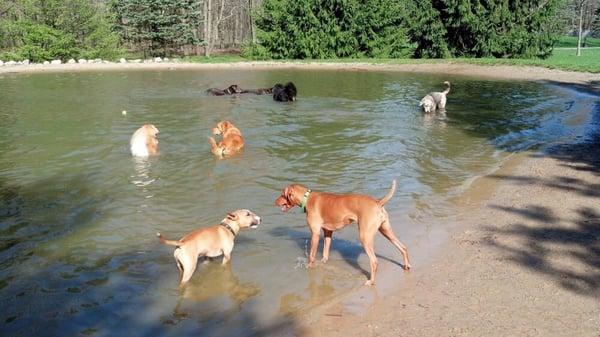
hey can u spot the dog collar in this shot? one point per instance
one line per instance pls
(304, 200)
(226, 225)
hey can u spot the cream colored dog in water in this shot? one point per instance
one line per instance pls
(144, 141)
(435, 100)
(211, 241)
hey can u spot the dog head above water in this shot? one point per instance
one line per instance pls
(285, 93)
(243, 218)
(144, 141)
(222, 127)
(290, 196)
(233, 89)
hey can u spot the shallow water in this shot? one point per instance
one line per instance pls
(78, 215)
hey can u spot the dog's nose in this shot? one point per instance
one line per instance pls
(257, 218)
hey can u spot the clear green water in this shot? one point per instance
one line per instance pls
(78, 215)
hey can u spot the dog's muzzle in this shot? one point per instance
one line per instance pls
(255, 222)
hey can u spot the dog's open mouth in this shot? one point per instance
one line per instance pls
(253, 226)
(285, 207)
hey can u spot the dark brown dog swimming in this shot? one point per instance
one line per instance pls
(259, 91)
(232, 89)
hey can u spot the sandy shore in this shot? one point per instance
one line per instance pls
(526, 261)
(492, 72)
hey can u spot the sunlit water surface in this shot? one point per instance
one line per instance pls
(78, 215)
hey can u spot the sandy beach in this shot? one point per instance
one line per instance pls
(497, 72)
(525, 258)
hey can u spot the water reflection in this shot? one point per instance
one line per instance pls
(142, 168)
(215, 291)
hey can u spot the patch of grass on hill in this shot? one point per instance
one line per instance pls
(571, 42)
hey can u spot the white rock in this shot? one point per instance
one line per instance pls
(19, 63)
(124, 112)
(46, 63)
(166, 59)
(122, 60)
(136, 61)
(11, 63)
(82, 61)
(71, 61)
(157, 59)
(97, 60)
(56, 62)
(25, 62)
(1, 63)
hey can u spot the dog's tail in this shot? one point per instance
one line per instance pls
(214, 148)
(445, 92)
(168, 242)
(389, 195)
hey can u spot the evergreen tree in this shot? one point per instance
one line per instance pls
(40, 30)
(332, 28)
(160, 27)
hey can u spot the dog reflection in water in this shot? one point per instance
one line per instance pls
(216, 291)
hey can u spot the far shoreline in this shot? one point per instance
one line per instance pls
(499, 72)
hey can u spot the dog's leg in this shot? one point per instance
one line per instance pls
(188, 264)
(367, 239)
(326, 244)
(314, 244)
(387, 231)
(226, 257)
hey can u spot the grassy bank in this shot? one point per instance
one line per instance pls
(571, 42)
(563, 59)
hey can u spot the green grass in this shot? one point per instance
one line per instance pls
(564, 59)
(571, 42)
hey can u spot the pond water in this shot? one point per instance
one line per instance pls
(78, 215)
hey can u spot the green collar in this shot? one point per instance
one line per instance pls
(304, 200)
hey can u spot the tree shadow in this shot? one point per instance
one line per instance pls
(577, 268)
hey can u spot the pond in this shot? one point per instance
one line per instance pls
(78, 214)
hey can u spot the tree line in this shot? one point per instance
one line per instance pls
(40, 30)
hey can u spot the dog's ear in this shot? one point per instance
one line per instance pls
(232, 216)
(225, 125)
(287, 193)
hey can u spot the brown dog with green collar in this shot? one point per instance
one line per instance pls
(330, 212)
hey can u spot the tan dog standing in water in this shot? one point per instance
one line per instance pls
(330, 212)
(231, 143)
(211, 241)
(144, 141)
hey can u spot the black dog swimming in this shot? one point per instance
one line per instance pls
(232, 89)
(285, 93)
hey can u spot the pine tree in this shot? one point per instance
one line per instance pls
(160, 27)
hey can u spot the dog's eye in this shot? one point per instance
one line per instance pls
(248, 214)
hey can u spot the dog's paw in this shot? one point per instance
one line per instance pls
(369, 283)
(406, 266)
(324, 260)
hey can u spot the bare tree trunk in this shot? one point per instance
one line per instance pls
(207, 28)
(252, 28)
(580, 27)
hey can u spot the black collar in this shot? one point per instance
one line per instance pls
(226, 225)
